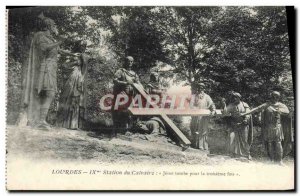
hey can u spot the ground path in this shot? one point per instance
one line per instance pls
(63, 144)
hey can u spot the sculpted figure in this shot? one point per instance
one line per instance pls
(241, 127)
(72, 100)
(199, 124)
(123, 80)
(41, 76)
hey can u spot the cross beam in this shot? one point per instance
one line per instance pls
(177, 112)
(168, 122)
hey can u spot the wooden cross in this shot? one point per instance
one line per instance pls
(163, 112)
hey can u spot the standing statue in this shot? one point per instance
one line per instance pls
(72, 101)
(241, 127)
(123, 80)
(199, 124)
(276, 127)
(154, 87)
(41, 76)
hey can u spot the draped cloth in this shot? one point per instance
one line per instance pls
(40, 74)
(73, 98)
(121, 117)
(124, 75)
(277, 127)
(200, 124)
(153, 124)
(241, 130)
(287, 143)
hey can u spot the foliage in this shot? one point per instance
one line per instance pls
(131, 33)
(242, 49)
(184, 30)
(250, 54)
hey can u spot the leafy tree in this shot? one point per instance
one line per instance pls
(250, 53)
(185, 30)
(242, 49)
(131, 33)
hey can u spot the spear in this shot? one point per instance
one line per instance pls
(256, 109)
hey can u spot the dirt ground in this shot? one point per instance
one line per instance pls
(77, 145)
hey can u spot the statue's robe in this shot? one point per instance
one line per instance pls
(153, 124)
(199, 124)
(241, 133)
(277, 127)
(121, 117)
(41, 73)
(72, 102)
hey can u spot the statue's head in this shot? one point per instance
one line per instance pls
(236, 97)
(80, 46)
(154, 77)
(129, 61)
(198, 87)
(47, 24)
(83, 45)
(275, 96)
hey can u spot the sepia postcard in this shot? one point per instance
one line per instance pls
(150, 98)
